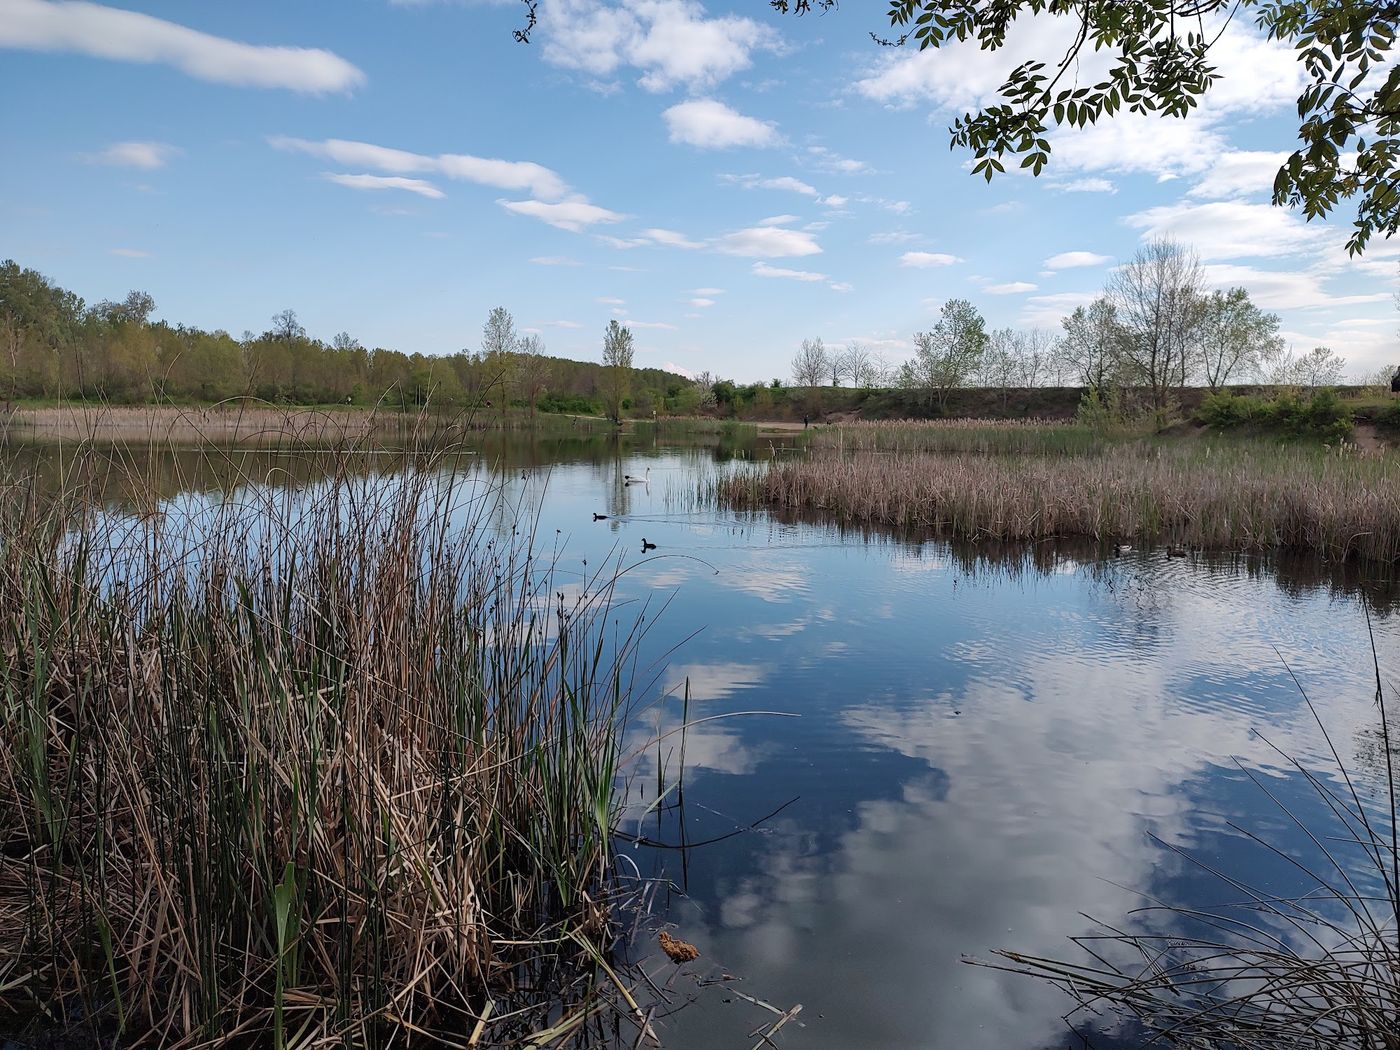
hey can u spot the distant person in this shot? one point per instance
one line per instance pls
(1395, 384)
(804, 418)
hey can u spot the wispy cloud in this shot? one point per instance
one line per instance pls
(1072, 260)
(385, 182)
(927, 260)
(127, 36)
(769, 242)
(521, 175)
(145, 155)
(573, 215)
(764, 270)
(129, 253)
(555, 260)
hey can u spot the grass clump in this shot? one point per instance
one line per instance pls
(296, 769)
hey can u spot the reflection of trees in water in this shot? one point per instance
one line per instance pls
(1298, 574)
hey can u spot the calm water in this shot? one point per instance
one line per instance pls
(967, 749)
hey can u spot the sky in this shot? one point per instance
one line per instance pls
(725, 180)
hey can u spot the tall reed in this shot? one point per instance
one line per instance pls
(1234, 497)
(1019, 437)
(336, 765)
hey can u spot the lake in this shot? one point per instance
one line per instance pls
(928, 751)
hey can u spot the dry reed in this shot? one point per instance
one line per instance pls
(293, 769)
(1238, 497)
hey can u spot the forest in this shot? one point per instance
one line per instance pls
(54, 346)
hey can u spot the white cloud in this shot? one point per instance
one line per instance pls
(385, 182)
(769, 242)
(129, 253)
(893, 237)
(563, 324)
(1233, 229)
(573, 215)
(525, 176)
(144, 155)
(1240, 173)
(1090, 185)
(708, 124)
(555, 260)
(671, 42)
(828, 160)
(707, 291)
(782, 182)
(680, 370)
(1070, 260)
(1014, 288)
(779, 220)
(127, 36)
(841, 286)
(661, 325)
(700, 303)
(925, 260)
(671, 239)
(1283, 289)
(1045, 311)
(608, 300)
(764, 270)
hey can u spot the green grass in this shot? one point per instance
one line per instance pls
(1033, 437)
(339, 769)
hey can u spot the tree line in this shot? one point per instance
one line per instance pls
(53, 345)
(1155, 330)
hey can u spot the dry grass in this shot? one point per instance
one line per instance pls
(340, 769)
(1241, 496)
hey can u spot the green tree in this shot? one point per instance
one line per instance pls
(1160, 60)
(617, 369)
(1234, 337)
(950, 354)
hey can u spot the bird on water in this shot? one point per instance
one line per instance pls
(647, 546)
(628, 479)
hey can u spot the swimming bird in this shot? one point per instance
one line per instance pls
(628, 479)
(647, 546)
(599, 517)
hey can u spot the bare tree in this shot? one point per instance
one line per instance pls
(857, 365)
(812, 364)
(286, 327)
(1318, 367)
(1035, 350)
(1158, 299)
(532, 369)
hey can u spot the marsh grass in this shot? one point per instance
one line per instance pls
(1318, 970)
(1230, 496)
(293, 768)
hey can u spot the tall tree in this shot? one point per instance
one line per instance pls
(812, 363)
(286, 327)
(1092, 345)
(1157, 298)
(1320, 366)
(1234, 336)
(532, 370)
(950, 354)
(617, 369)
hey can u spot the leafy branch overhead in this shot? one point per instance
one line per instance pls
(1159, 54)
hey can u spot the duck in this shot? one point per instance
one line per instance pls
(599, 517)
(628, 479)
(647, 546)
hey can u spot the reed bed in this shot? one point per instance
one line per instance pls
(1235, 497)
(276, 769)
(1005, 437)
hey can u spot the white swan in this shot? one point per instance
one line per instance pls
(628, 479)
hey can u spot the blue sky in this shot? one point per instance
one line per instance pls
(725, 180)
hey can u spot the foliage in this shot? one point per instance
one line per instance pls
(949, 355)
(1159, 60)
(1235, 336)
(617, 369)
(1323, 415)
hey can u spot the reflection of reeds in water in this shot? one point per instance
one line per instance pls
(297, 771)
(1316, 971)
(1240, 497)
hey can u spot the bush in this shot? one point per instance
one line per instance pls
(1388, 418)
(1324, 415)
